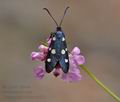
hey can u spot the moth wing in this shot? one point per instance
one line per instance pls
(64, 60)
(51, 60)
(59, 57)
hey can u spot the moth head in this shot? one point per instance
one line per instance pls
(58, 29)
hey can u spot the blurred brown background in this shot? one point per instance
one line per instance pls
(92, 25)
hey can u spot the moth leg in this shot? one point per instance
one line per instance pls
(51, 35)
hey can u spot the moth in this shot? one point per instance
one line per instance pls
(57, 51)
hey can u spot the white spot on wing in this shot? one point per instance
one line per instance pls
(63, 39)
(66, 49)
(66, 60)
(48, 60)
(54, 38)
(63, 51)
(53, 51)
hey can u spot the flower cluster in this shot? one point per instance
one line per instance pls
(75, 59)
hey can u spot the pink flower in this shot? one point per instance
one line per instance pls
(75, 51)
(39, 72)
(71, 77)
(75, 55)
(41, 55)
(43, 48)
(38, 56)
(75, 59)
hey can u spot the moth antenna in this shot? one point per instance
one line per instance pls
(51, 16)
(63, 16)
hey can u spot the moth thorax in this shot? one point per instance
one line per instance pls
(58, 28)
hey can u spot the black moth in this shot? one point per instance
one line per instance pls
(57, 51)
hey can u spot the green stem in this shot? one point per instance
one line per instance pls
(100, 83)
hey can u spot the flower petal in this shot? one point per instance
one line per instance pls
(72, 63)
(74, 70)
(43, 48)
(79, 59)
(71, 77)
(39, 72)
(76, 51)
(38, 56)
